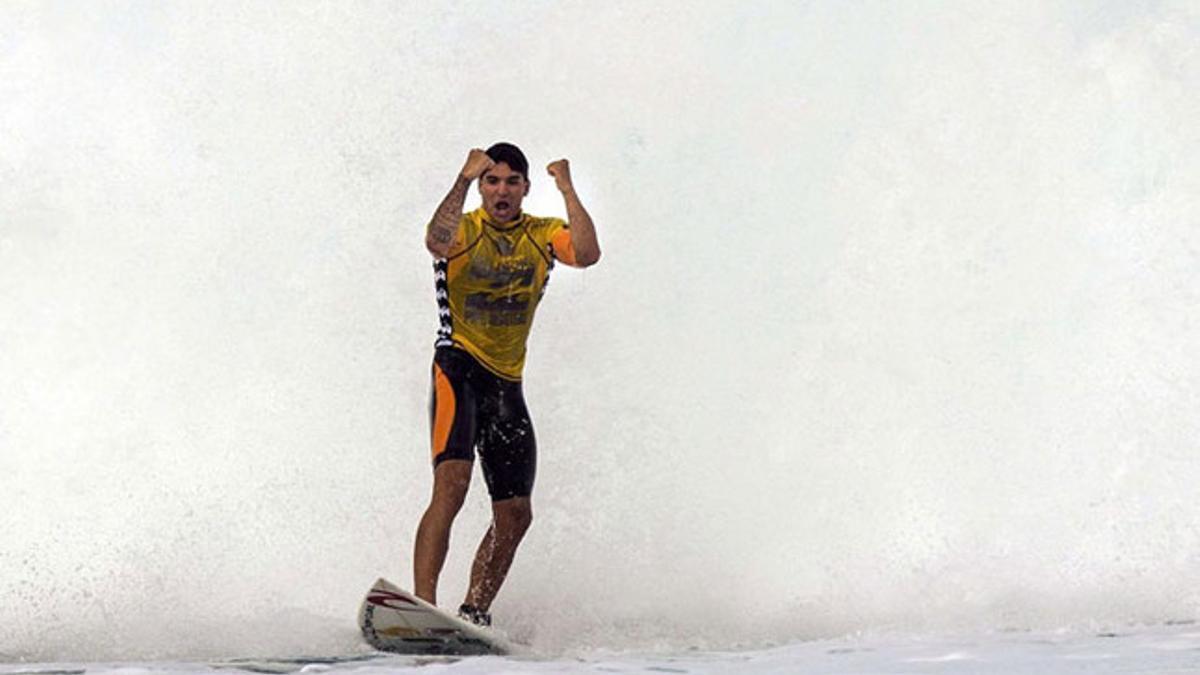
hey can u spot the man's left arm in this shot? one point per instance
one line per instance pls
(583, 231)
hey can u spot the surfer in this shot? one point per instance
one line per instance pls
(491, 266)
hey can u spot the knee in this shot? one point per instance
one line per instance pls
(523, 519)
(515, 517)
(447, 502)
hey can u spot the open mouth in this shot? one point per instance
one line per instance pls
(502, 206)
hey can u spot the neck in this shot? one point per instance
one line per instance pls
(491, 220)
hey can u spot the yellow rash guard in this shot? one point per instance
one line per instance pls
(490, 282)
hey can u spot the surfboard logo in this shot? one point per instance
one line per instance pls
(391, 600)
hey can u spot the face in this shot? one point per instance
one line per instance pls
(502, 190)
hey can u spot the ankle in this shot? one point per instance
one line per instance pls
(475, 615)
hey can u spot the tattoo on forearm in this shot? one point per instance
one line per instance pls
(445, 220)
(451, 207)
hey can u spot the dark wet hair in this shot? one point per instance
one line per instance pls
(510, 155)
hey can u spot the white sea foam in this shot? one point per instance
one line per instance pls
(1163, 649)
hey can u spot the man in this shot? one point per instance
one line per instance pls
(491, 268)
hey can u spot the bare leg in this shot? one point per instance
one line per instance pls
(510, 520)
(451, 479)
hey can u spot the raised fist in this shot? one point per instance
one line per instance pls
(561, 170)
(477, 164)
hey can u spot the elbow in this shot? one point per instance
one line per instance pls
(435, 249)
(588, 259)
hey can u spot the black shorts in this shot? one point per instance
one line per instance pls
(472, 409)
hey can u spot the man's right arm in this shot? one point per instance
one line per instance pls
(440, 233)
(439, 236)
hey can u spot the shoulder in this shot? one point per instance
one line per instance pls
(474, 218)
(544, 228)
(471, 224)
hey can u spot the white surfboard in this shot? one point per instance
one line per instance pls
(394, 620)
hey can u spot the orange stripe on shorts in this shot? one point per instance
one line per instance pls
(443, 415)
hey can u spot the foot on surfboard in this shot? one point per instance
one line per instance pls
(474, 615)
